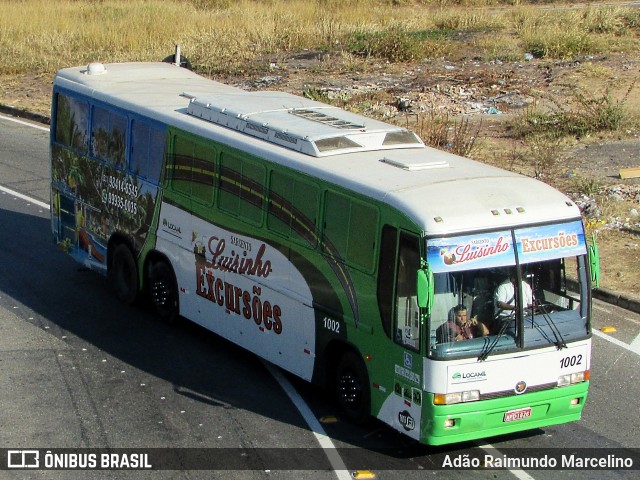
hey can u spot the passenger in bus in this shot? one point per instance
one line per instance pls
(505, 297)
(460, 326)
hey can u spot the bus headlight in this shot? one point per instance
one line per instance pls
(571, 378)
(457, 397)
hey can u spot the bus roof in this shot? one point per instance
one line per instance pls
(441, 192)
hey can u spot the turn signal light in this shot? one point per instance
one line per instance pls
(457, 397)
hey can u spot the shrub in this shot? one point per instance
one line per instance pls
(440, 131)
(579, 115)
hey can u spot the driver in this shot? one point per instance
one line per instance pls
(505, 296)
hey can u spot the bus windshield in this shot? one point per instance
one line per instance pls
(491, 297)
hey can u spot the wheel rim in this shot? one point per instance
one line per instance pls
(350, 390)
(160, 293)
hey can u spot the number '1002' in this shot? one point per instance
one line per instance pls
(571, 361)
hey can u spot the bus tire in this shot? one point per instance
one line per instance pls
(163, 292)
(352, 388)
(123, 274)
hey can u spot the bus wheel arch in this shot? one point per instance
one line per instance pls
(350, 385)
(162, 287)
(122, 270)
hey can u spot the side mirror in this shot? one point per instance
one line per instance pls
(425, 288)
(594, 262)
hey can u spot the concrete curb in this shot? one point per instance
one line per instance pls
(623, 301)
(627, 302)
(18, 112)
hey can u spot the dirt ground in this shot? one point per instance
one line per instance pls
(490, 95)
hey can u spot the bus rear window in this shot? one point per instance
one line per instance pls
(72, 122)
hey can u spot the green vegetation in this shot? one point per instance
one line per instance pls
(587, 186)
(578, 114)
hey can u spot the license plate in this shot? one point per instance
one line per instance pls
(513, 415)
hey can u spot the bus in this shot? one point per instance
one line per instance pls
(332, 245)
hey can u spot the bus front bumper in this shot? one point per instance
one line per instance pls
(487, 418)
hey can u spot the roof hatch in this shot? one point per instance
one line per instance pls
(299, 124)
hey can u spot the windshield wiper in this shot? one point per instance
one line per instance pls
(559, 343)
(503, 328)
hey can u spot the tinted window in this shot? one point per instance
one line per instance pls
(72, 122)
(147, 150)
(350, 230)
(108, 134)
(293, 207)
(386, 269)
(194, 170)
(241, 188)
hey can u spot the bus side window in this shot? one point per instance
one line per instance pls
(386, 269)
(147, 151)
(362, 235)
(350, 229)
(293, 208)
(182, 165)
(203, 176)
(241, 188)
(157, 150)
(193, 170)
(72, 120)
(108, 134)
(407, 312)
(252, 193)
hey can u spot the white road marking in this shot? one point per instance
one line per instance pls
(635, 344)
(13, 192)
(21, 122)
(631, 348)
(24, 197)
(324, 440)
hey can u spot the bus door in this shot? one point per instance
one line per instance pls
(407, 329)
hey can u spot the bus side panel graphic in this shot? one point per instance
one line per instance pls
(92, 200)
(242, 288)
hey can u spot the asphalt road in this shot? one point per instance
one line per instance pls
(79, 370)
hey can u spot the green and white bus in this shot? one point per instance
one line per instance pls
(335, 246)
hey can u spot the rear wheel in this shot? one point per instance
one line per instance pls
(352, 388)
(123, 274)
(163, 291)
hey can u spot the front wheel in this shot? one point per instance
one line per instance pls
(352, 388)
(163, 291)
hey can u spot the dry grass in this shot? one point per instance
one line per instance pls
(231, 37)
(224, 36)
